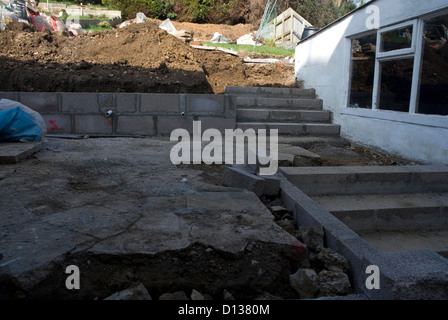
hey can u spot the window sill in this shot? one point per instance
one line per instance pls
(417, 119)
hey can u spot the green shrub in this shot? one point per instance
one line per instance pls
(104, 25)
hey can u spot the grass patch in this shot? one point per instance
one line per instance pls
(278, 51)
(94, 27)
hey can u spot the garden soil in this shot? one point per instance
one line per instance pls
(137, 58)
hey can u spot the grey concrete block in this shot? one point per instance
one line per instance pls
(40, 101)
(79, 103)
(323, 129)
(287, 92)
(167, 124)
(252, 115)
(205, 103)
(367, 180)
(218, 123)
(106, 102)
(278, 91)
(283, 129)
(9, 95)
(272, 185)
(230, 106)
(241, 90)
(240, 177)
(92, 124)
(303, 104)
(159, 103)
(142, 125)
(126, 102)
(58, 123)
(410, 275)
(245, 101)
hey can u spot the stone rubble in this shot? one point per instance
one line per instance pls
(136, 292)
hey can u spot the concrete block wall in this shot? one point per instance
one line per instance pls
(146, 114)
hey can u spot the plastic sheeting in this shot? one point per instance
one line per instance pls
(20, 123)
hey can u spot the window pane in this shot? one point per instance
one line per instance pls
(396, 39)
(434, 75)
(396, 83)
(363, 68)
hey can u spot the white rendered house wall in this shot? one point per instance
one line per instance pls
(323, 62)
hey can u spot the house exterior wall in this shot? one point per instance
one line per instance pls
(323, 63)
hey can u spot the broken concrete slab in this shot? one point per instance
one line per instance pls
(239, 176)
(302, 157)
(120, 210)
(13, 152)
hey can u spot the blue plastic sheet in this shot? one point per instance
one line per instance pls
(17, 125)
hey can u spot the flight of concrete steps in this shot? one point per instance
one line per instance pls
(292, 111)
(391, 205)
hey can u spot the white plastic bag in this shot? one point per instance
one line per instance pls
(124, 24)
(76, 29)
(8, 16)
(168, 26)
(141, 18)
(219, 38)
(247, 39)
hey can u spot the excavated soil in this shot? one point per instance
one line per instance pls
(137, 58)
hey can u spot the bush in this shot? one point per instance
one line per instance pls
(157, 9)
(104, 25)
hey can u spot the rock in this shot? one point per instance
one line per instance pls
(196, 295)
(287, 216)
(334, 283)
(226, 295)
(178, 295)
(278, 212)
(287, 225)
(305, 282)
(136, 292)
(313, 237)
(268, 296)
(328, 259)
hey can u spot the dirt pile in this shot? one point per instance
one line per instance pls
(138, 58)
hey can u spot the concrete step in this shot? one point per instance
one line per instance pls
(367, 212)
(298, 129)
(278, 103)
(282, 115)
(272, 92)
(393, 241)
(368, 180)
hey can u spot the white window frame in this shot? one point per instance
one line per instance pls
(415, 52)
(405, 51)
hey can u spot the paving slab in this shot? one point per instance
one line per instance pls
(118, 197)
(13, 152)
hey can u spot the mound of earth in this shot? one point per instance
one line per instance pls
(138, 58)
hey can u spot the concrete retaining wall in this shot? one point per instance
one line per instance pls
(146, 114)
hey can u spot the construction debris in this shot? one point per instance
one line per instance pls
(208, 48)
(219, 38)
(30, 15)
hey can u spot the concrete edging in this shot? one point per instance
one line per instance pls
(421, 274)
